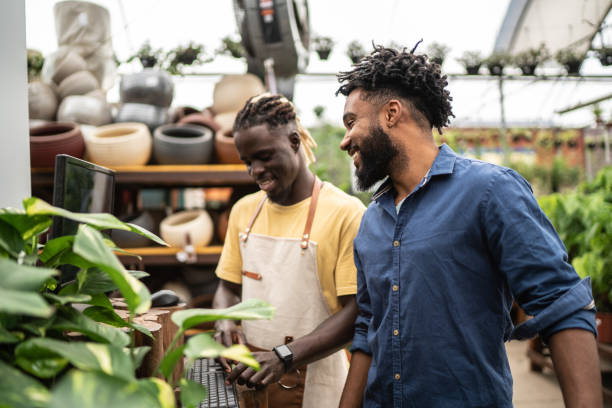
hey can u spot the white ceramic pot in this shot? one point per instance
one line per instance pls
(196, 224)
(79, 83)
(68, 65)
(42, 101)
(84, 109)
(119, 144)
(231, 93)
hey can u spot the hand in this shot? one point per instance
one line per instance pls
(272, 369)
(228, 333)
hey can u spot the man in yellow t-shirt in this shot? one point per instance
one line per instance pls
(290, 244)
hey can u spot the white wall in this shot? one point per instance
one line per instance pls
(14, 134)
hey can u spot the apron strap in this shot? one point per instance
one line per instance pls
(245, 235)
(311, 212)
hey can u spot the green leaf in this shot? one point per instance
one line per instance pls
(250, 309)
(19, 390)
(6, 337)
(39, 361)
(23, 278)
(62, 300)
(38, 327)
(10, 239)
(139, 354)
(203, 346)
(95, 390)
(27, 225)
(72, 320)
(141, 231)
(169, 361)
(108, 316)
(89, 244)
(55, 247)
(192, 393)
(24, 303)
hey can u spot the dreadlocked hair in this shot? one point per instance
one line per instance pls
(387, 73)
(273, 110)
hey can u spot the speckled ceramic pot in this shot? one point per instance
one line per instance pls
(151, 115)
(119, 144)
(88, 110)
(182, 144)
(51, 139)
(196, 224)
(151, 86)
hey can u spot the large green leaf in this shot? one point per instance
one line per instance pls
(95, 282)
(89, 244)
(139, 354)
(6, 337)
(18, 390)
(27, 225)
(192, 393)
(141, 231)
(203, 346)
(39, 361)
(105, 358)
(10, 239)
(22, 277)
(108, 316)
(95, 390)
(55, 247)
(24, 303)
(72, 320)
(250, 309)
(63, 300)
(169, 361)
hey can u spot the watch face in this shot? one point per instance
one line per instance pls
(283, 352)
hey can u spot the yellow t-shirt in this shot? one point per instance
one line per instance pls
(334, 227)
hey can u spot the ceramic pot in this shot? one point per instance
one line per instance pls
(42, 101)
(222, 223)
(182, 144)
(196, 224)
(54, 138)
(68, 65)
(231, 93)
(151, 115)
(119, 144)
(128, 239)
(79, 83)
(84, 109)
(179, 112)
(201, 119)
(604, 327)
(151, 86)
(225, 149)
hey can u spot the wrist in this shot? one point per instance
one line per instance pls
(285, 355)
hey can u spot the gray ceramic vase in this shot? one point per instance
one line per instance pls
(128, 239)
(151, 86)
(182, 144)
(151, 115)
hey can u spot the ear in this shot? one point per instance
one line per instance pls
(392, 112)
(295, 141)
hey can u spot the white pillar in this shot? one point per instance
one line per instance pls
(14, 133)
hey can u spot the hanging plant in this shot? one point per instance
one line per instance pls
(528, 60)
(148, 56)
(570, 59)
(231, 47)
(180, 57)
(355, 51)
(437, 52)
(496, 62)
(471, 61)
(323, 46)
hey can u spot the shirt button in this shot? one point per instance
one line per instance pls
(395, 243)
(395, 332)
(395, 288)
(397, 376)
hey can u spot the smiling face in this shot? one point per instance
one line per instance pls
(273, 158)
(366, 142)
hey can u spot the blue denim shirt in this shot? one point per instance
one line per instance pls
(436, 283)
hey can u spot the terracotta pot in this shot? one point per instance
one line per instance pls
(196, 224)
(180, 112)
(151, 115)
(225, 149)
(182, 144)
(230, 94)
(42, 101)
(128, 239)
(119, 144)
(604, 327)
(68, 65)
(84, 109)
(54, 138)
(201, 119)
(79, 83)
(151, 86)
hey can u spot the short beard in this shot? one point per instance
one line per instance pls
(376, 151)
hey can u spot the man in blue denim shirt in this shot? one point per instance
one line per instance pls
(443, 249)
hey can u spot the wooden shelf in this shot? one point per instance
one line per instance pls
(168, 256)
(166, 175)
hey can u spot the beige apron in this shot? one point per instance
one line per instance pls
(283, 272)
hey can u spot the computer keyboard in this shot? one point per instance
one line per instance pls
(210, 374)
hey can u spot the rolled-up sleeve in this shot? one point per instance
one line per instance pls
(362, 323)
(533, 259)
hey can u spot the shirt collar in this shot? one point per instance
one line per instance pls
(443, 164)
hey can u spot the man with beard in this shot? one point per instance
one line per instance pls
(443, 249)
(290, 244)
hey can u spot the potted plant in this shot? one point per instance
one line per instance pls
(181, 56)
(471, 61)
(528, 60)
(496, 62)
(437, 52)
(355, 51)
(35, 64)
(570, 59)
(55, 354)
(605, 55)
(323, 46)
(231, 47)
(148, 57)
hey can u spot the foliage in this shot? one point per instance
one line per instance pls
(322, 43)
(231, 47)
(437, 52)
(584, 222)
(496, 62)
(605, 55)
(529, 59)
(318, 111)
(148, 56)
(52, 354)
(355, 51)
(181, 56)
(570, 58)
(35, 64)
(471, 61)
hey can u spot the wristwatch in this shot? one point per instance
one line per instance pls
(285, 354)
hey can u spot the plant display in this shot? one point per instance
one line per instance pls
(605, 55)
(437, 52)
(570, 59)
(584, 222)
(471, 61)
(355, 51)
(529, 59)
(148, 57)
(55, 355)
(35, 64)
(496, 62)
(231, 47)
(181, 56)
(323, 46)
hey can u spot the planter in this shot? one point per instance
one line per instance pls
(528, 69)
(194, 226)
(472, 69)
(323, 54)
(180, 112)
(119, 144)
(201, 119)
(182, 144)
(84, 109)
(42, 101)
(128, 239)
(68, 65)
(151, 86)
(225, 149)
(231, 93)
(495, 69)
(55, 138)
(151, 115)
(79, 83)
(604, 327)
